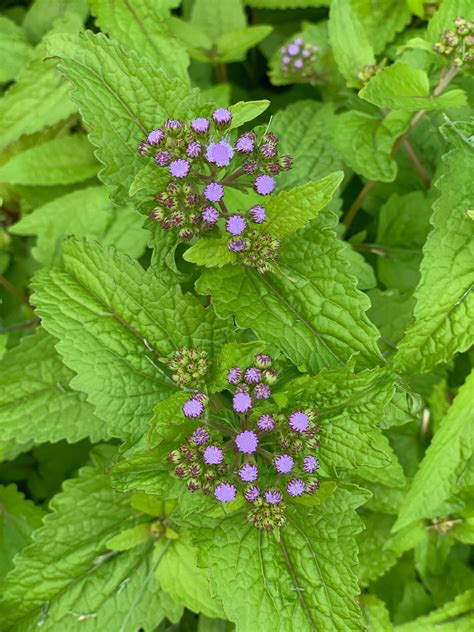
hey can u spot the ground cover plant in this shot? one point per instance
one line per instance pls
(237, 315)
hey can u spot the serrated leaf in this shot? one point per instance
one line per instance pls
(36, 401)
(245, 111)
(404, 87)
(292, 309)
(98, 218)
(217, 17)
(210, 253)
(392, 313)
(129, 321)
(444, 309)
(454, 616)
(233, 46)
(15, 49)
(286, 4)
(64, 160)
(381, 20)
(444, 460)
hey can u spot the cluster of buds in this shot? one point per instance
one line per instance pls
(457, 43)
(189, 367)
(297, 61)
(204, 157)
(268, 460)
(368, 71)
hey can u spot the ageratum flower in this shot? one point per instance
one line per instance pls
(458, 42)
(297, 61)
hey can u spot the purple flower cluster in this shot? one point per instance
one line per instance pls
(297, 60)
(457, 42)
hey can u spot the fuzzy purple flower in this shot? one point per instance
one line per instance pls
(273, 496)
(214, 192)
(310, 464)
(235, 224)
(248, 473)
(234, 375)
(263, 360)
(299, 421)
(213, 455)
(200, 436)
(268, 150)
(266, 423)
(252, 493)
(258, 214)
(225, 492)
(219, 154)
(252, 375)
(246, 441)
(242, 402)
(264, 185)
(222, 116)
(200, 125)
(155, 136)
(237, 245)
(250, 166)
(263, 391)
(295, 487)
(179, 168)
(245, 144)
(162, 158)
(193, 408)
(194, 149)
(284, 463)
(210, 215)
(299, 63)
(173, 124)
(293, 49)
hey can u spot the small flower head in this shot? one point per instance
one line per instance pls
(250, 166)
(273, 496)
(268, 150)
(235, 224)
(245, 144)
(155, 136)
(225, 492)
(222, 117)
(252, 493)
(263, 361)
(310, 464)
(200, 436)
(237, 245)
(252, 375)
(214, 192)
(293, 49)
(210, 215)
(162, 158)
(284, 463)
(234, 375)
(179, 168)
(264, 185)
(312, 486)
(296, 487)
(193, 408)
(200, 125)
(220, 153)
(248, 473)
(266, 423)
(213, 455)
(193, 150)
(242, 402)
(258, 214)
(173, 124)
(263, 391)
(299, 421)
(246, 442)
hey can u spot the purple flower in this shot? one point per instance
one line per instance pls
(245, 144)
(235, 224)
(286, 60)
(201, 397)
(210, 215)
(299, 421)
(262, 360)
(193, 408)
(162, 158)
(258, 214)
(222, 116)
(173, 124)
(284, 463)
(305, 53)
(266, 423)
(273, 496)
(200, 125)
(312, 486)
(250, 166)
(298, 41)
(234, 375)
(298, 63)
(179, 168)
(252, 375)
(237, 245)
(246, 441)
(213, 455)
(263, 391)
(225, 492)
(264, 185)
(220, 153)
(214, 192)
(295, 487)
(310, 464)
(248, 473)
(242, 402)
(293, 49)
(252, 493)
(268, 150)
(155, 136)
(194, 149)
(200, 436)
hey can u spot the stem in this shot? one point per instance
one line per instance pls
(416, 162)
(18, 294)
(233, 176)
(221, 72)
(24, 325)
(360, 199)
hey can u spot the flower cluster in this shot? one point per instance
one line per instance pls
(368, 71)
(201, 159)
(188, 366)
(297, 60)
(266, 457)
(458, 43)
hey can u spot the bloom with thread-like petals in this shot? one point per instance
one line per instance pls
(246, 442)
(264, 185)
(245, 144)
(284, 463)
(173, 124)
(252, 375)
(225, 492)
(296, 487)
(252, 493)
(162, 158)
(235, 224)
(194, 149)
(210, 215)
(299, 421)
(213, 455)
(293, 49)
(179, 168)
(193, 408)
(242, 402)
(237, 245)
(222, 116)
(200, 125)
(258, 214)
(155, 136)
(266, 423)
(214, 192)
(200, 436)
(310, 464)
(273, 496)
(248, 473)
(263, 391)
(219, 154)
(234, 375)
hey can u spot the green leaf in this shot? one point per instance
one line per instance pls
(210, 253)
(392, 313)
(129, 538)
(365, 142)
(64, 160)
(98, 218)
(116, 325)
(44, 15)
(217, 17)
(290, 210)
(18, 519)
(192, 36)
(245, 111)
(444, 309)
(444, 461)
(349, 41)
(286, 4)
(404, 87)
(36, 401)
(233, 46)
(376, 615)
(15, 49)
(381, 20)
(293, 583)
(140, 27)
(454, 616)
(292, 309)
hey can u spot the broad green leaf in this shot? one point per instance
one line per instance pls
(192, 36)
(64, 160)
(444, 461)
(233, 46)
(18, 519)
(217, 17)
(116, 325)
(129, 538)
(365, 142)
(381, 20)
(361, 269)
(351, 47)
(286, 4)
(454, 616)
(36, 401)
(404, 87)
(15, 49)
(210, 253)
(311, 308)
(444, 310)
(140, 27)
(305, 581)
(245, 111)
(98, 218)
(392, 313)
(290, 210)
(305, 130)
(42, 15)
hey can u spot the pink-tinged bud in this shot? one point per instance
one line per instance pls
(222, 117)
(263, 361)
